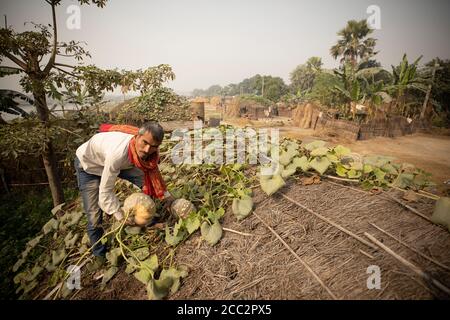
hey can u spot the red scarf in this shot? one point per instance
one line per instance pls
(154, 184)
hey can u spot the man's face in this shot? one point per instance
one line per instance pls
(146, 145)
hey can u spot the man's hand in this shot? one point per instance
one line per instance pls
(119, 215)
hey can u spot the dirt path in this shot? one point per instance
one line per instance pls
(431, 153)
(425, 151)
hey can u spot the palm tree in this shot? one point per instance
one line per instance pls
(354, 43)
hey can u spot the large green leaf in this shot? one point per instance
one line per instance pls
(404, 180)
(379, 174)
(70, 239)
(147, 269)
(109, 274)
(216, 215)
(272, 185)
(58, 256)
(314, 145)
(177, 236)
(287, 156)
(176, 275)
(52, 224)
(192, 222)
(377, 161)
(341, 171)
(301, 163)
(367, 168)
(441, 213)
(158, 289)
(353, 174)
(320, 164)
(357, 166)
(389, 168)
(341, 151)
(288, 171)
(142, 253)
(113, 256)
(242, 207)
(211, 233)
(319, 152)
(132, 266)
(332, 157)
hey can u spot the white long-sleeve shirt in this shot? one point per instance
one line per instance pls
(105, 155)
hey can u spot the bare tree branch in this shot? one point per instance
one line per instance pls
(64, 65)
(66, 72)
(51, 61)
(66, 55)
(18, 69)
(16, 60)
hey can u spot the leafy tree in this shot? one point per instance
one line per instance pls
(274, 88)
(303, 76)
(270, 87)
(27, 50)
(440, 92)
(354, 43)
(323, 90)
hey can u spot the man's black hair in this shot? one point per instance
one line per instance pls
(154, 128)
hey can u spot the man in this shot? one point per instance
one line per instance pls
(122, 151)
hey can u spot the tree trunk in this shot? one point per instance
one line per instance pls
(51, 169)
(48, 156)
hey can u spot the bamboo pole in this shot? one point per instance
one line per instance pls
(307, 267)
(348, 232)
(411, 248)
(409, 264)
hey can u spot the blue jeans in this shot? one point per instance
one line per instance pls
(89, 189)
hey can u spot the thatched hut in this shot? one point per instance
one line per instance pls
(246, 108)
(305, 116)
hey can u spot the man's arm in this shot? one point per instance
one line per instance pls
(108, 201)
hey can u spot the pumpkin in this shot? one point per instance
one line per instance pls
(182, 208)
(142, 206)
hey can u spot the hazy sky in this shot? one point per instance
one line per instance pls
(221, 42)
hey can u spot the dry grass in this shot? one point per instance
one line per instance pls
(260, 267)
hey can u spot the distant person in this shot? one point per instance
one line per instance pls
(118, 151)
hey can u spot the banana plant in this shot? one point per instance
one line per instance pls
(405, 78)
